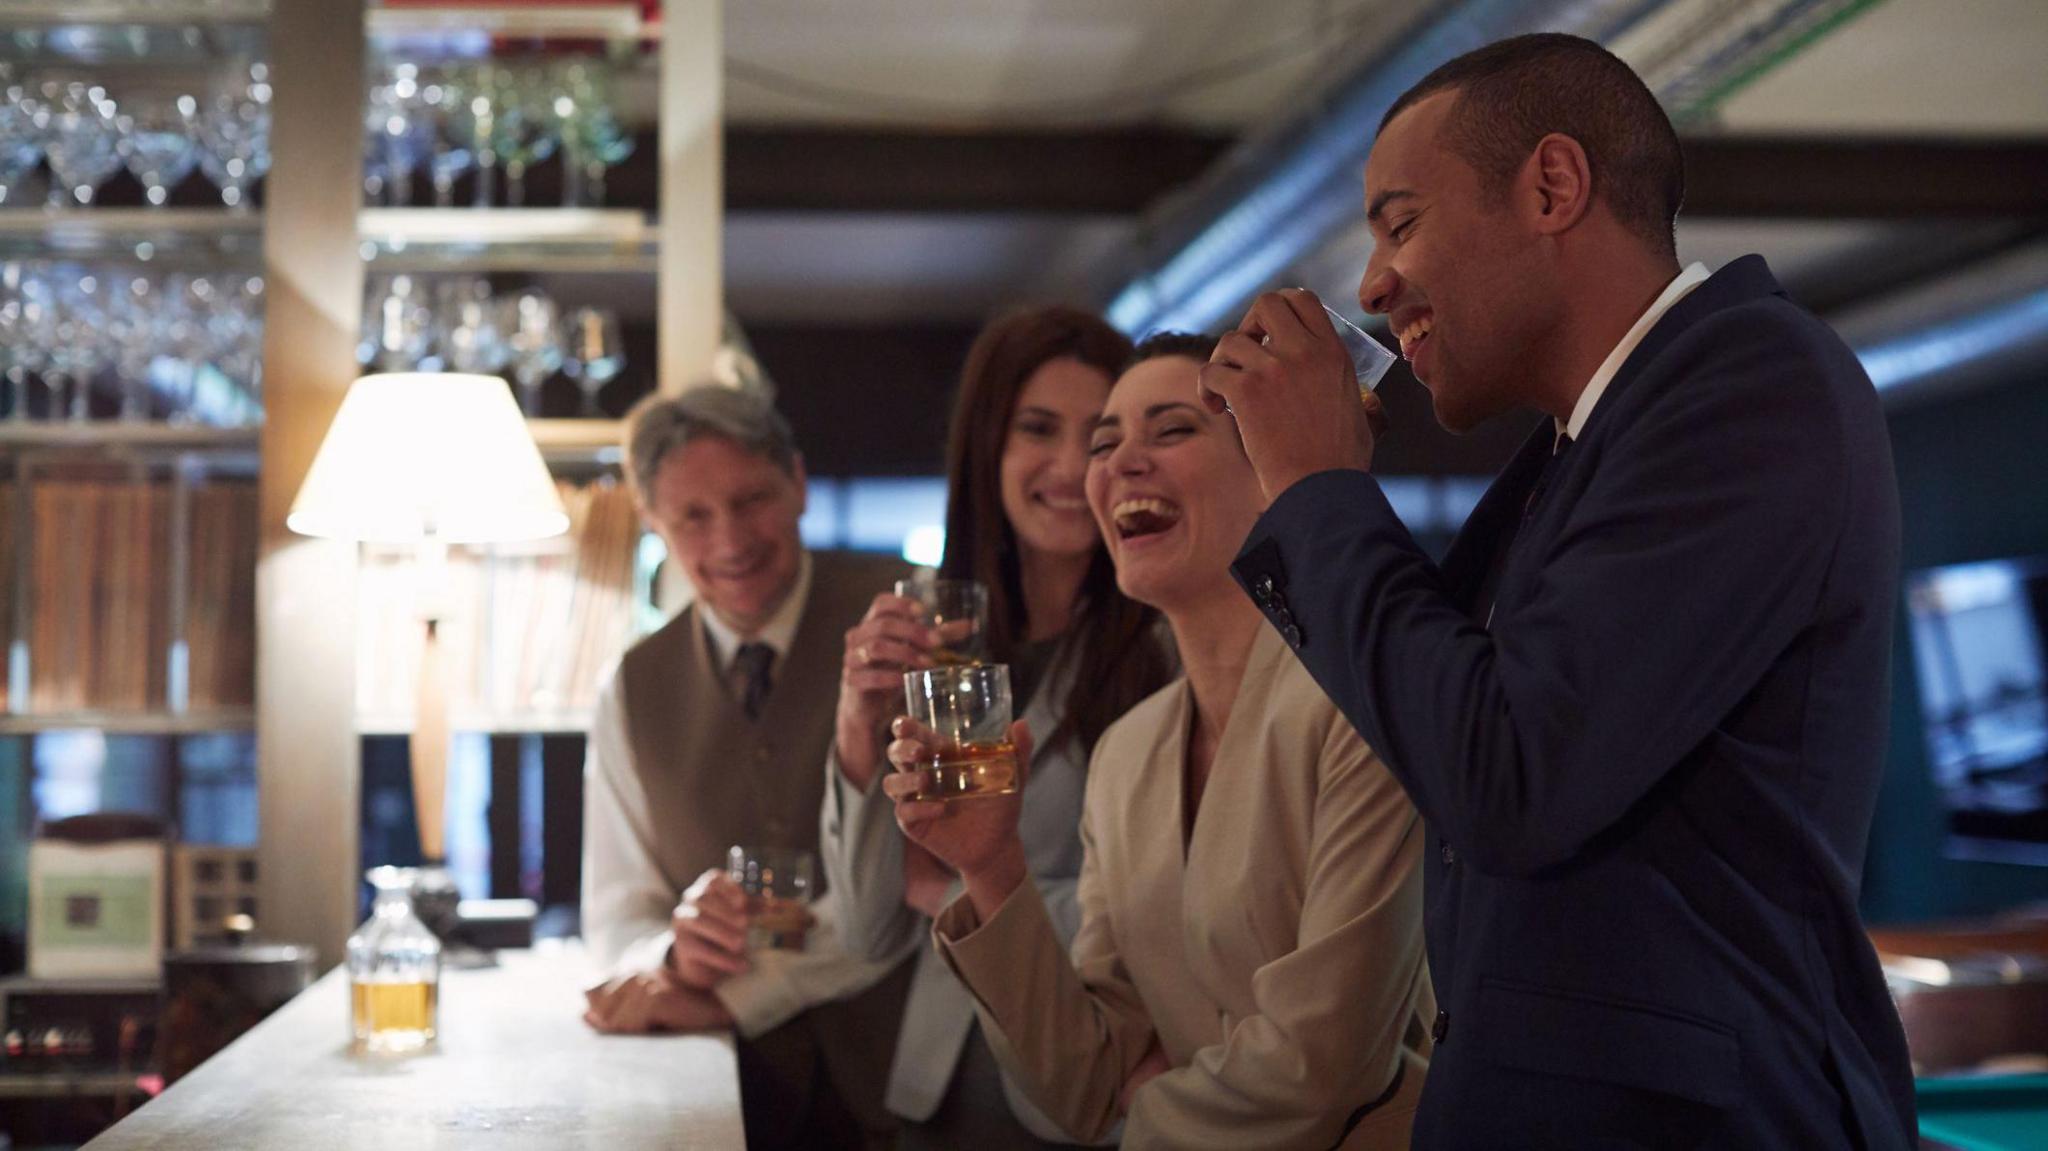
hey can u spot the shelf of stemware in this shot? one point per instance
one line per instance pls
(452, 239)
(520, 21)
(195, 12)
(615, 227)
(483, 723)
(167, 239)
(131, 722)
(508, 239)
(578, 442)
(107, 226)
(109, 435)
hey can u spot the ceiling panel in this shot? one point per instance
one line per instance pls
(1968, 68)
(845, 268)
(1213, 63)
(1947, 67)
(1796, 249)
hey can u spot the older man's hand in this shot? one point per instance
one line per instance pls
(651, 1001)
(1286, 378)
(710, 927)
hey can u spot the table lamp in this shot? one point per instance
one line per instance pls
(429, 459)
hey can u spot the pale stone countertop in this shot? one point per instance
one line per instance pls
(515, 1067)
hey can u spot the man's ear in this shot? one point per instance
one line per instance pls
(1558, 183)
(803, 483)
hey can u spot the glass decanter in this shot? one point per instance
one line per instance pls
(394, 969)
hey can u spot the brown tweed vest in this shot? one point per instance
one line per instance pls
(714, 778)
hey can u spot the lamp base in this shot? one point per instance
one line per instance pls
(429, 743)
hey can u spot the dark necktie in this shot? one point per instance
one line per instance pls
(750, 667)
(1551, 467)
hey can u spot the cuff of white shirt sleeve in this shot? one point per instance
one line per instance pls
(759, 1000)
(783, 984)
(649, 953)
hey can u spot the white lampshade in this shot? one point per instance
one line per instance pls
(428, 455)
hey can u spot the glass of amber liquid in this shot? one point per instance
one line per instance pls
(778, 882)
(955, 608)
(967, 707)
(394, 970)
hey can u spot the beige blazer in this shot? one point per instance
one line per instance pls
(1277, 960)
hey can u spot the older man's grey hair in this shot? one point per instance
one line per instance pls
(660, 424)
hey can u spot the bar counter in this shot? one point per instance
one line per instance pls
(514, 1067)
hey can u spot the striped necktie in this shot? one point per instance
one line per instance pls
(750, 678)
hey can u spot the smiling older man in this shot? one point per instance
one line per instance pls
(710, 734)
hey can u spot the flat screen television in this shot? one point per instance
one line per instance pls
(1980, 651)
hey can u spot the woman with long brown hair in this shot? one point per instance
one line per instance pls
(1249, 968)
(1080, 654)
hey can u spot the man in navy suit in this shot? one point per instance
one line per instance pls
(1642, 701)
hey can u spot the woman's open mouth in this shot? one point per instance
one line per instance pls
(1144, 517)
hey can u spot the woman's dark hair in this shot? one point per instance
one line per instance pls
(1119, 659)
(1193, 345)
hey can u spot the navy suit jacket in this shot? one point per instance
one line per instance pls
(1651, 783)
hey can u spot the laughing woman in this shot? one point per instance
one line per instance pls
(1080, 654)
(1249, 966)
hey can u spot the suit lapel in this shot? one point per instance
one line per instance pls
(1740, 282)
(1465, 565)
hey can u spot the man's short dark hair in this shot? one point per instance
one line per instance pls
(1514, 92)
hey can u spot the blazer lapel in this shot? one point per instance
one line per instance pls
(1464, 567)
(1741, 281)
(1166, 774)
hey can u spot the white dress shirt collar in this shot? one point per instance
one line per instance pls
(779, 632)
(1692, 277)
